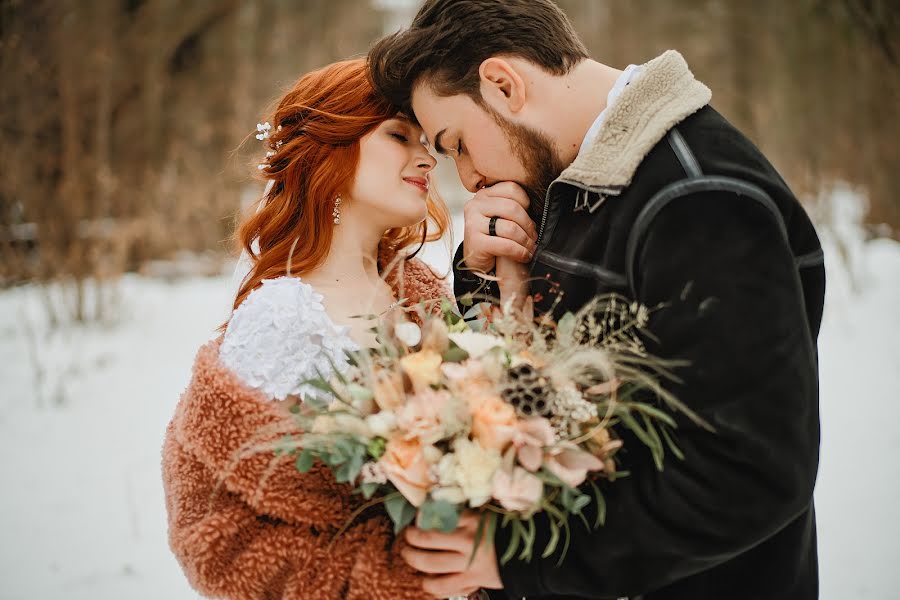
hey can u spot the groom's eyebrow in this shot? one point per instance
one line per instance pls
(438, 147)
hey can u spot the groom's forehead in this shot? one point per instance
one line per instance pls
(437, 113)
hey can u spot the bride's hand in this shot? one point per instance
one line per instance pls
(513, 281)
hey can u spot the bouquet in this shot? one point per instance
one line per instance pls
(503, 413)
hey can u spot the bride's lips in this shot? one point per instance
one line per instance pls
(419, 182)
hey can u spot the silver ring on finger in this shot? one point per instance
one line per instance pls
(492, 227)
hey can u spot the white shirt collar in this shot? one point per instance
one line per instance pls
(630, 72)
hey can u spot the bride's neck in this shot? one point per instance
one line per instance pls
(353, 256)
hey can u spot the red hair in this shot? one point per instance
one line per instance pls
(315, 137)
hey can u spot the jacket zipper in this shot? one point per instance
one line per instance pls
(545, 212)
(602, 192)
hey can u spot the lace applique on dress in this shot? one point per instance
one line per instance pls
(280, 336)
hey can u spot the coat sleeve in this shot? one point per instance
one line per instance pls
(734, 310)
(466, 282)
(245, 525)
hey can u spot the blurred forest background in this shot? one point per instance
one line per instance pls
(127, 150)
(123, 122)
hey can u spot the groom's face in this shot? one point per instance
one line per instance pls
(486, 147)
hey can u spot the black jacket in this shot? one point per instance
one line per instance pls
(744, 291)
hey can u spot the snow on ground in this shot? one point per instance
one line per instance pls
(82, 513)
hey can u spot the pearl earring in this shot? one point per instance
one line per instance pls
(337, 210)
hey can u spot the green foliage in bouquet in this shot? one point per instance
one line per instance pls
(493, 410)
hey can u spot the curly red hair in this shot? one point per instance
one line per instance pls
(315, 135)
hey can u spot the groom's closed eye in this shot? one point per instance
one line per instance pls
(438, 145)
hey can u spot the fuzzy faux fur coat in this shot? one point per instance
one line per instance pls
(247, 525)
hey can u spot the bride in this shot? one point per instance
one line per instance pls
(348, 195)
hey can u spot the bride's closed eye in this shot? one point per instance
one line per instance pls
(401, 137)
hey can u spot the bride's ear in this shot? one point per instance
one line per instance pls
(502, 85)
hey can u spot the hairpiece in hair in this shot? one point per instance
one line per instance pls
(263, 132)
(263, 129)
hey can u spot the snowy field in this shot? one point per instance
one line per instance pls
(83, 411)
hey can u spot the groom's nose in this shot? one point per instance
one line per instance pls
(471, 179)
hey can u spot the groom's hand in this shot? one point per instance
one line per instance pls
(516, 232)
(444, 558)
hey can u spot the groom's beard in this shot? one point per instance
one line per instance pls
(537, 154)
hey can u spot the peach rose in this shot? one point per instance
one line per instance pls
(467, 379)
(423, 368)
(520, 491)
(493, 421)
(421, 416)
(405, 465)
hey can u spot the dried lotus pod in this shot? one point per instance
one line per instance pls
(527, 390)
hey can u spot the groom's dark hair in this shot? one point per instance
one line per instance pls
(449, 39)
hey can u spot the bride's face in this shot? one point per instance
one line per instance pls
(391, 181)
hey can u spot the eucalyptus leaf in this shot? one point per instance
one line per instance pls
(305, 460)
(579, 503)
(349, 470)
(343, 447)
(332, 459)
(400, 511)
(369, 489)
(438, 514)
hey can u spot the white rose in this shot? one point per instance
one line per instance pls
(475, 468)
(446, 470)
(452, 494)
(432, 455)
(382, 423)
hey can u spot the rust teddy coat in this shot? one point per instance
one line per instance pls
(246, 525)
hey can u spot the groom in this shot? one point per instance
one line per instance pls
(634, 184)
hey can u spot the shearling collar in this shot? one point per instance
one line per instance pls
(663, 95)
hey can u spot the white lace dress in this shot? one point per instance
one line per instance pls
(281, 336)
